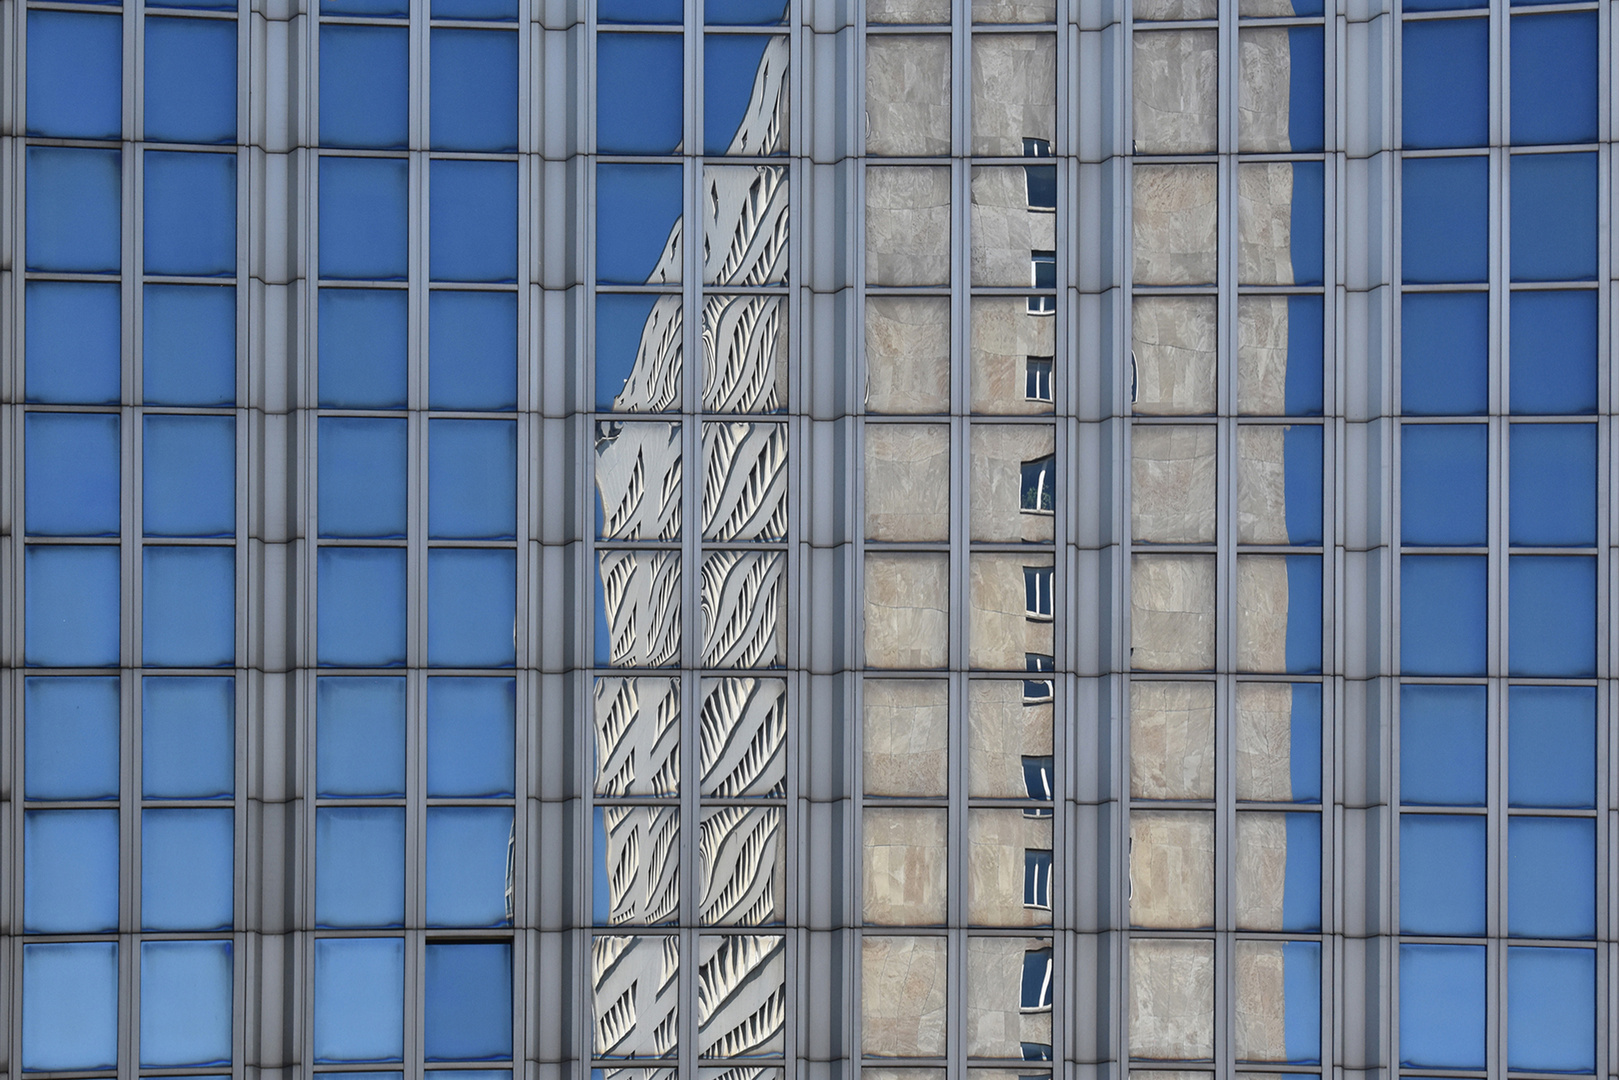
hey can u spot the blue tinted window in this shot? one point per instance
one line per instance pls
(472, 479)
(732, 63)
(185, 1002)
(1551, 877)
(1301, 886)
(1445, 353)
(360, 736)
(1441, 874)
(70, 1006)
(191, 80)
(1442, 1006)
(1303, 393)
(188, 737)
(1551, 615)
(360, 866)
(1301, 478)
(1554, 217)
(363, 466)
(1445, 219)
(75, 74)
(473, 222)
(360, 620)
(376, 8)
(1305, 235)
(1446, 83)
(1301, 1001)
(70, 871)
(187, 869)
(71, 486)
(72, 604)
(1306, 122)
(744, 12)
(474, 90)
(637, 209)
(1551, 746)
(1444, 482)
(470, 725)
(1554, 352)
(1554, 484)
(190, 213)
(1551, 1009)
(497, 10)
(364, 204)
(71, 738)
(472, 350)
(662, 12)
(363, 348)
(189, 476)
(640, 88)
(364, 86)
(74, 209)
(471, 607)
(1304, 743)
(189, 345)
(1442, 739)
(1303, 614)
(468, 1002)
(621, 321)
(188, 606)
(466, 865)
(359, 999)
(73, 342)
(1554, 78)
(1442, 614)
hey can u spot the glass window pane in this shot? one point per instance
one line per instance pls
(1551, 1010)
(468, 1002)
(70, 1006)
(1301, 483)
(1442, 614)
(1551, 746)
(472, 479)
(187, 871)
(736, 67)
(190, 80)
(1445, 219)
(188, 345)
(1445, 91)
(1442, 739)
(471, 607)
(470, 729)
(364, 204)
(188, 471)
(70, 738)
(185, 1002)
(1554, 78)
(660, 12)
(474, 90)
(473, 221)
(1553, 484)
(71, 600)
(75, 74)
(1444, 481)
(637, 356)
(472, 350)
(188, 737)
(188, 606)
(1554, 352)
(1551, 877)
(744, 12)
(467, 849)
(363, 348)
(360, 866)
(1551, 616)
(363, 468)
(374, 8)
(73, 342)
(361, 607)
(498, 10)
(359, 999)
(637, 215)
(190, 225)
(1444, 353)
(71, 485)
(74, 211)
(360, 736)
(1442, 1006)
(640, 93)
(1554, 217)
(364, 86)
(1442, 874)
(70, 871)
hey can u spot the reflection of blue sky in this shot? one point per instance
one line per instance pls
(1442, 1006)
(1442, 614)
(745, 12)
(1554, 217)
(1306, 234)
(1304, 614)
(730, 66)
(1442, 875)
(1445, 215)
(1553, 350)
(1551, 752)
(1445, 352)
(1553, 485)
(1303, 385)
(1306, 118)
(1445, 85)
(640, 88)
(619, 322)
(1442, 737)
(1554, 78)
(1301, 992)
(1301, 886)
(1552, 616)
(636, 208)
(1301, 480)
(1305, 743)
(1551, 1009)
(660, 12)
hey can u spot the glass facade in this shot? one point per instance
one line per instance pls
(1093, 558)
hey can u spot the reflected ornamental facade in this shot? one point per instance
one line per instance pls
(748, 539)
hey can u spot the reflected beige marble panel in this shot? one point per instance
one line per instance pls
(1264, 89)
(1174, 224)
(1261, 870)
(907, 482)
(1172, 341)
(997, 1025)
(1014, 92)
(1000, 634)
(906, 739)
(1176, 99)
(1261, 484)
(881, 1073)
(1262, 613)
(907, 225)
(902, 996)
(1261, 1020)
(1014, 11)
(1262, 9)
(1172, 869)
(1262, 328)
(1004, 337)
(1265, 223)
(1172, 612)
(907, 354)
(1002, 729)
(907, 610)
(1172, 470)
(1171, 999)
(906, 859)
(1005, 231)
(908, 94)
(1171, 740)
(998, 454)
(996, 842)
(1264, 738)
(908, 12)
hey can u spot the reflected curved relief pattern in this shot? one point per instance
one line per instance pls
(635, 983)
(741, 598)
(742, 995)
(745, 482)
(743, 866)
(642, 851)
(742, 724)
(638, 480)
(641, 595)
(637, 737)
(744, 354)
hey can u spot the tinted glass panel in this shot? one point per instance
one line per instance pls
(1551, 752)
(359, 999)
(364, 86)
(1444, 480)
(71, 486)
(1442, 614)
(361, 607)
(1446, 83)
(72, 605)
(70, 738)
(1445, 219)
(190, 225)
(377, 8)
(70, 1006)
(1551, 620)
(189, 345)
(191, 80)
(360, 866)
(640, 11)
(72, 342)
(1554, 217)
(1551, 1010)
(75, 74)
(732, 64)
(744, 12)
(1554, 78)
(1306, 124)
(70, 871)
(1444, 353)
(360, 736)
(470, 748)
(363, 208)
(637, 211)
(468, 991)
(74, 210)
(1554, 352)
(188, 606)
(474, 88)
(363, 465)
(640, 81)
(185, 1003)
(466, 865)
(472, 479)
(472, 350)
(1442, 1006)
(471, 607)
(188, 737)
(1554, 484)
(363, 348)
(502, 10)
(622, 322)
(187, 869)
(188, 471)
(1442, 874)
(473, 221)
(1551, 877)
(1442, 740)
